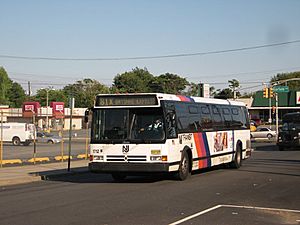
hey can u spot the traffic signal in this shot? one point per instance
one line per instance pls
(271, 95)
(266, 93)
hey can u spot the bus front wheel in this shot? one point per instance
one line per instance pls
(184, 167)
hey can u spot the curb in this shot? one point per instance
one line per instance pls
(44, 159)
(32, 161)
(15, 181)
(11, 161)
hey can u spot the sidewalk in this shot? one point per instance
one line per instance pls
(30, 173)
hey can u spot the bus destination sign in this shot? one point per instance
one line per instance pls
(126, 100)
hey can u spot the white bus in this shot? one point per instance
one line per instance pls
(194, 133)
(17, 133)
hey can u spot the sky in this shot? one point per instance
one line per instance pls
(120, 29)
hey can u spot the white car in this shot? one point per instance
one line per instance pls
(263, 132)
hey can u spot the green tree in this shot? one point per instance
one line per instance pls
(84, 91)
(135, 81)
(224, 93)
(5, 85)
(53, 96)
(16, 95)
(234, 85)
(293, 85)
(191, 89)
(168, 83)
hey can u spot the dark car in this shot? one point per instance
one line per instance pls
(289, 135)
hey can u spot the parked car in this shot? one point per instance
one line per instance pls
(47, 138)
(263, 132)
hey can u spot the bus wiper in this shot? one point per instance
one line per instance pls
(126, 141)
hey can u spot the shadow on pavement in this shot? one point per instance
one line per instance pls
(82, 175)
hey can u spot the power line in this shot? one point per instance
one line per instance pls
(246, 73)
(150, 57)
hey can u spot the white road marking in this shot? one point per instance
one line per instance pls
(261, 208)
(195, 215)
(231, 206)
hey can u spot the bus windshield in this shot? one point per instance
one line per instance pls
(131, 125)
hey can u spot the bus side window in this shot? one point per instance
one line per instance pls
(245, 115)
(170, 120)
(238, 117)
(206, 119)
(227, 116)
(217, 118)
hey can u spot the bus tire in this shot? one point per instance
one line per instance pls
(237, 162)
(16, 141)
(184, 167)
(118, 176)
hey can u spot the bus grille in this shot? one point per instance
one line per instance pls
(126, 158)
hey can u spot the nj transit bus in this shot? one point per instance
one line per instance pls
(148, 133)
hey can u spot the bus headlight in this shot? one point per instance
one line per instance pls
(155, 158)
(159, 158)
(98, 157)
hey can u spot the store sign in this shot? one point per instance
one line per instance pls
(298, 98)
(29, 108)
(58, 109)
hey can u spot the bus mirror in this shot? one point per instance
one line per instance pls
(86, 116)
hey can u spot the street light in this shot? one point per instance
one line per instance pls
(47, 104)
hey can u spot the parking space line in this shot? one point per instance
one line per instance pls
(195, 215)
(231, 206)
(261, 208)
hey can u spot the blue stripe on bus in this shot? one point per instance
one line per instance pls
(190, 99)
(206, 149)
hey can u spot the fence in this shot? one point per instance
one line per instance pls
(49, 139)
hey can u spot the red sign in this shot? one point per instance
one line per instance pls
(29, 108)
(58, 109)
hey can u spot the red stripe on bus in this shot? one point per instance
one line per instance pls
(183, 98)
(204, 161)
(200, 146)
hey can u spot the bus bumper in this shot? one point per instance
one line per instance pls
(103, 167)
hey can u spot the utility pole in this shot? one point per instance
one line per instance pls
(1, 144)
(29, 88)
(71, 105)
(277, 122)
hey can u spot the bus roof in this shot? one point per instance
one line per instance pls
(182, 98)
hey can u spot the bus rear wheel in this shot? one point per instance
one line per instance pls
(237, 162)
(16, 141)
(184, 168)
